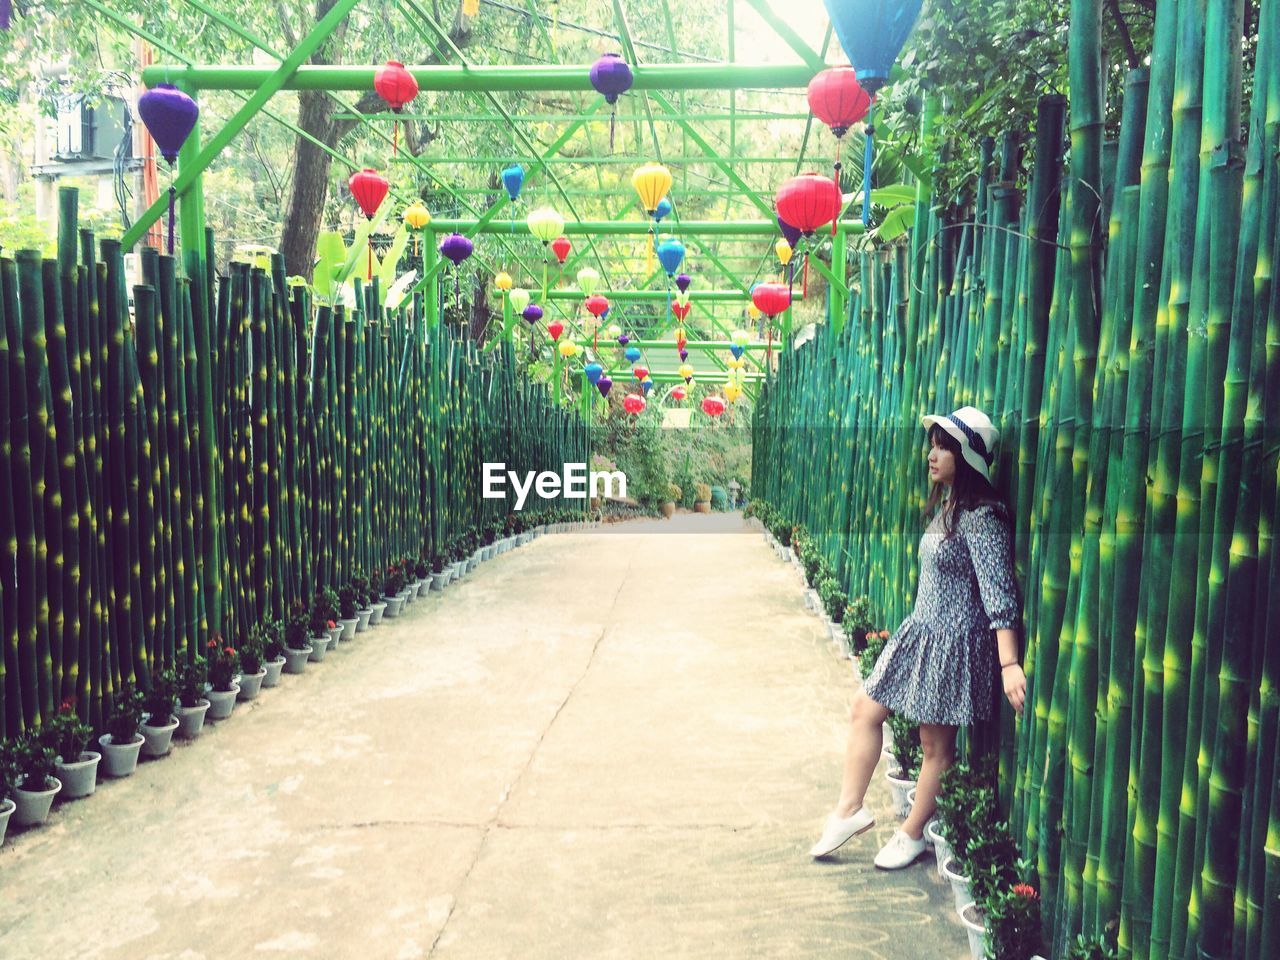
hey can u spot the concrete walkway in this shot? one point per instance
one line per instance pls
(612, 745)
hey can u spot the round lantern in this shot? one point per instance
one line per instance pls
(663, 209)
(597, 304)
(532, 313)
(613, 330)
(652, 181)
(169, 116)
(753, 311)
(519, 298)
(555, 328)
(771, 299)
(455, 248)
(678, 393)
(397, 87)
(604, 385)
(611, 76)
(545, 224)
(783, 251)
(561, 246)
(634, 403)
(809, 202)
(837, 99)
(568, 349)
(632, 354)
(370, 189)
(623, 339)
(686, 371)
(732, 392)
(513, 180)
(671, 255)
(588, 280)
(416, 217)
(594, 372)
(712, 406)
(502, 281)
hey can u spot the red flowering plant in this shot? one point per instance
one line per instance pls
(324, 612)
(224, 663)
(65, 733)
(1013, 922)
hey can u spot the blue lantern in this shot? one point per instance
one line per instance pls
(513, 180)
(671, 255)
(646, 384)
(736, 351)
(594, 372)
(663, 209)
(632, 354)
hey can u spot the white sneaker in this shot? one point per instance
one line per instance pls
(901, 851)
(840, 830)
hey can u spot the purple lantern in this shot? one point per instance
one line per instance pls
(169, 116)
(791, 234)
(532, 313)
(611, 76)
(684, 355)
(683, 281)
(604, 385)
(456, 248)
(623, 339)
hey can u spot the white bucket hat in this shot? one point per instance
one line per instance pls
(972, 429)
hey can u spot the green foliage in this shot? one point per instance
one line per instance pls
(348, 600)
(65, 733)
(159, 700)
(324, 611)
(192, 675)
(126, 715)
(224, 664)
(34, 763)
(296, 632)
(857, 622)
(1012, 915)
(250, 651)
(907, 752)
(1093, 948)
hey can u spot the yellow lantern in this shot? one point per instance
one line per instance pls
(568, 349)
(732, 392)
(783, 250)
(416, 216)
(753, 311)
(737, 364)
(588, 280)
(519, 298)
(470, 8)
(503, 282)
(652, 181)
(545, 224)
(686, 370)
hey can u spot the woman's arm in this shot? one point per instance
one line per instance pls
(989, 542)
(1011, 675)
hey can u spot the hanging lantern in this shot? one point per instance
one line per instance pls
(397, 87)
(568, 349)
(623, 339)
(663, 209)
(594, 372)
(683, 281)
(502, 281)
(555, 328)
(732, 392)
(671, 255)
(686, 371)
(588, 280)
(753, 311)
(470, 8)
(416, 217)
(513, 180)
(808, 202)
(613, 330)
(740, 337)
(678, 393)
(684, 354)
(611, 76)
(369, 188)
(170, 116)
(737, 363)
(640, 372)
(771, 298)
(561, 246)
(545, 224)
(783, 251)
(456, 248)
(597, 304)
(652, 181)
(681, 309)
(712, 406)
(634, 403)
(632, 354)
(532, 313)
(681, 339)
(838, 100)
(646, 385)
(519, 298)
(604, 385)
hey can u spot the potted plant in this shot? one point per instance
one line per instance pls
(967, 808)
(122, 741)
(35, 786)
(906, 762)
(439, 572)
(318, 625)
(297, 647)
(158, 718)
(252, 669)
(703, 503)
(192, 675)
(669, 505)
(271, 640)
(376, 603)
(856, 623)
(364, 610)
(348, 611)
(422, 570)
(68, 736)
(324, 607)
(1013, 921)
(224, 669)
(392, 584)
(976, 927)
(410, 588)
(8, 780)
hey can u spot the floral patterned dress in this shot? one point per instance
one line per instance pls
(941, 664)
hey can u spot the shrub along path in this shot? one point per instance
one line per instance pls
(594, 746)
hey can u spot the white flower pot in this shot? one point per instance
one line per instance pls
(120, 759)
(349, 628)
(976, 928)
(295, 661)
(424, 585)
(335, 636)
(273, 668)
(32, 806)
(379, 609)
(156, 741)
(251, 685)
(362, 619)
(941, 848)
(438, 581)
(319, 646)
(394, 605)
(899, 788)
(191, 719)
(222, 702)
(887, 732)
(836, 632)
(79, 778)
(472, 561)
(959, 882)
(6, 811)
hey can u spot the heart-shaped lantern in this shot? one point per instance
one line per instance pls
(640, 372)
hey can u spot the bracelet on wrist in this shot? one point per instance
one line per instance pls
(1005, 666)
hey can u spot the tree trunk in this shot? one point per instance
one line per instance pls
(310, 183)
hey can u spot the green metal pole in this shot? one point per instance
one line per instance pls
(739, 296)
(709, 228)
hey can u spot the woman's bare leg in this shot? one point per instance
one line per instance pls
(939, 743)
(866, 736)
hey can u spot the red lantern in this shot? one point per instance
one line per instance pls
(596, 304)
(397, 87)
(771, 299)
(370, 189)
(808, 202)
(560, 246)
(678, 393)
(634, 403)
(681, 310)
(555, 328)
(838, 100)
(681, 339)
(640, 372)
(712, 406)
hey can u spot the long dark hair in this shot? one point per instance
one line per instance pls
(969, 488)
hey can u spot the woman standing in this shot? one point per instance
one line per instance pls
(940, 666)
